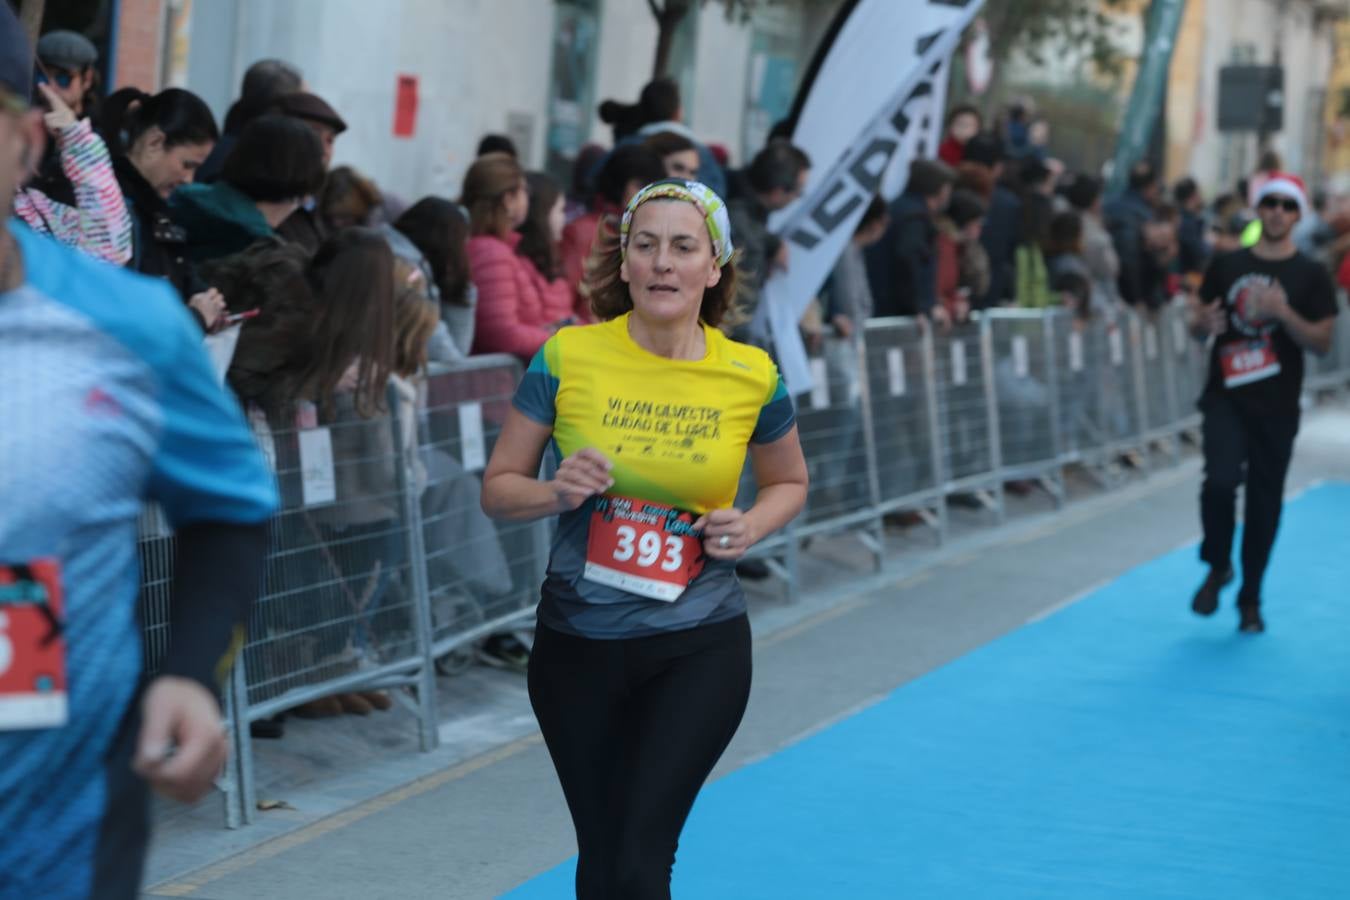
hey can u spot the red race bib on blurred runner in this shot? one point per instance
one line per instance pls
(32, 650)
(643, 548)
(1246, 361)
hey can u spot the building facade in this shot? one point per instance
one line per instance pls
(1297, 35)
(457, 69)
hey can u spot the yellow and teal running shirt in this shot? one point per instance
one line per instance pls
(676, 433)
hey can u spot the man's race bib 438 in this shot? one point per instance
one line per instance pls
(1244, 362)
(32, 650)
(644, 548)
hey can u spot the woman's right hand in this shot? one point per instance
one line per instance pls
(580, 477)
(210, 305)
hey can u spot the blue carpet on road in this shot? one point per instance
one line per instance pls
(1120, 748)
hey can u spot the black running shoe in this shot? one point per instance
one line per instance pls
(505, 651)
(1250, 621)
(1206, 600)
(753, 569)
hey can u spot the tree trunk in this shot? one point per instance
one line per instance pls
(1001, 25)
(30, 15)
(668, 19)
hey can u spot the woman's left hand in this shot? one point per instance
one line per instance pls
(726, 533)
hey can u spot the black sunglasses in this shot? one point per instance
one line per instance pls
(52, 75)
(1289, 206)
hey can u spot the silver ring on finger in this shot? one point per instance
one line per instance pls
(724, 541)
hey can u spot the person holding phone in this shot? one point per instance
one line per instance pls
(159, 142)
(640, 670)
(1263, 306)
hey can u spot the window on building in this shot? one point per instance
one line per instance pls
(576, 42)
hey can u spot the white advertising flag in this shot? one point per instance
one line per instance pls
(872, 97)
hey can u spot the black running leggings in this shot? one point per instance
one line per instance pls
(634, 728)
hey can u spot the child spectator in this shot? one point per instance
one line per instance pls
(963, 123)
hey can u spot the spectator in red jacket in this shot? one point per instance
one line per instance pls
(510, 316)
(963, 123)
(540, 235)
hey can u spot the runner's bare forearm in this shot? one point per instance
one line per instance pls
(1314, 336)
(512, 497)
(776, 505)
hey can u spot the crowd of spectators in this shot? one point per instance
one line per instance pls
(334, 291)
(348, 289)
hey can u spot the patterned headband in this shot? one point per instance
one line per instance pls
(704, 199)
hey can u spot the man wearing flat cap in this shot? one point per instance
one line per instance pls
(67, 63)
(305, 227)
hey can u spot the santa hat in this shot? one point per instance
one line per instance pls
(1285, 185)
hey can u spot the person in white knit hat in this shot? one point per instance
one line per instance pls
(1263, 306)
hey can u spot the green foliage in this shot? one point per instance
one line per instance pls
(1043, 28)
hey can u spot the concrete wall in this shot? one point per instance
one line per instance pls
(482, 66)
(1306, 49)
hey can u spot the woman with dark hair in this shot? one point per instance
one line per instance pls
(510, 315)
(276, 162)
(626, 171)
(324, 340)
(658, 102)
(678, 154)
(659, 110)
(641, 664)
(432, 235)
(321, 322)
(158, 143)
(540, 235)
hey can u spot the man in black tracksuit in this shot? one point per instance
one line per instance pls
(1264, 306)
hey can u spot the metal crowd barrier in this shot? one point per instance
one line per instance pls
(482, 576)
(383, 568)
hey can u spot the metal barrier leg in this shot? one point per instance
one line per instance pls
(1140, 391)
(937, 518)
(229, 785)
(792, 559)
(996, 499)
(1053, 481)
(427, 734)
(874, 535)
(248, 799)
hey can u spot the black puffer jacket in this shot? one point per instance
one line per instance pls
(159, 245)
